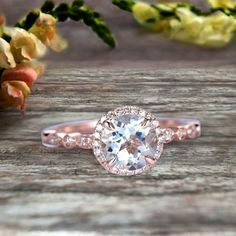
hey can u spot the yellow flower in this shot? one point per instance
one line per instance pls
(6, 57)
(144, 13)
(45, 29)
(25, 45)
(218, 30)
(187, 27)
(215, 30)
(222, 3)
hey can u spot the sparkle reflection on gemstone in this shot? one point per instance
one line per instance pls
(128, 142)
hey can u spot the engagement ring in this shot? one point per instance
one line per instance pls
(126, 141)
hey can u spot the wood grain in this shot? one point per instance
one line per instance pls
(192, 191)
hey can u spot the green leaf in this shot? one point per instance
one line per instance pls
(105, 34)
(6, 37)
(1, 71)
(75, 11)
(97, 24)
(62, 7)
(47, 6)
(19, 25)
(30, 19)
(62, 11)
(124, 4)
(77, 3)
(75, 14)
(93, 20)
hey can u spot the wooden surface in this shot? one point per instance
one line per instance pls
(192, 190)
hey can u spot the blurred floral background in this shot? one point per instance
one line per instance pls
(134, 42)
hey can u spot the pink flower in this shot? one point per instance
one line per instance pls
(2, 20)
(13, 94)
(16, 84)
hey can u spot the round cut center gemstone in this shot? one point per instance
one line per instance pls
(127, 144)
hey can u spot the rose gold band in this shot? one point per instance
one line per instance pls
(80, 133)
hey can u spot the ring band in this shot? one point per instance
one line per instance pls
(80, 133)
(126, 141)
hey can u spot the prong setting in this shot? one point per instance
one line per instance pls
(130, 144)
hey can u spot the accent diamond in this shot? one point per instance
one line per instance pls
(53, 139)
(86, 142)
(167, 135)
(181, 133)
(191, 132)
(69, 142)
(128, 142)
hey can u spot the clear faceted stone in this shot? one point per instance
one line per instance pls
(129, 144)
(191, 132)
(181, 133)
(53, 139)
(167, 135)
(85, 141)
(68, 141)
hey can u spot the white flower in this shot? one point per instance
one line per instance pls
(45, 29)
(25, 45)
(6, 57)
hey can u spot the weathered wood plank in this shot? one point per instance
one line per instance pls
(113, 214)
(192, 190)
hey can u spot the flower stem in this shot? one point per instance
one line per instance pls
(124, 4)
(75, 11)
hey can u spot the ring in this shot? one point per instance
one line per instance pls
(125, 141)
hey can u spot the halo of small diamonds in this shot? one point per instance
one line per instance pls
(127, 141)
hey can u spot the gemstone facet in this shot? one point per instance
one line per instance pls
(168, 135)
(127, 141)
(53, 139)
(69, 142)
